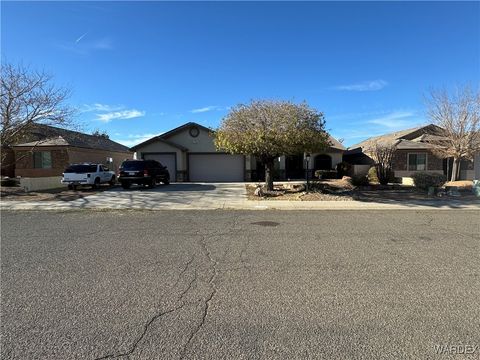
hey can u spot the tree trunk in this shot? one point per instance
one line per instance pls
(269, 174)
(455, 167)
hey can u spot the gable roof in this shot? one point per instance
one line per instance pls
(184, 127)
(44, 135)
(163, 137)
(413, 138)
(160, 139)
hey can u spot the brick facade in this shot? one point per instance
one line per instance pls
(400, 160)
(24, 162)
(62, 156)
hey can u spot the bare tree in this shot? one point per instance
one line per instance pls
(382, 154)
(458, 114)
(29, 98)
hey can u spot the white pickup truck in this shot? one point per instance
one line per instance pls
(87, 174)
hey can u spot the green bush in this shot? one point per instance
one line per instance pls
(424, 180)
(360, 180)
(343, 169)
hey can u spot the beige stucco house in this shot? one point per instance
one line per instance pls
(189, 153)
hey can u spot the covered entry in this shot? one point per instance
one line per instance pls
(166, 159)
(214, 167)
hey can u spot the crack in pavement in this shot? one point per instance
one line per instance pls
(145, 330)
(159, 315)
(211, 282)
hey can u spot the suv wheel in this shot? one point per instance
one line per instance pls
(96, 183)
(153, 183)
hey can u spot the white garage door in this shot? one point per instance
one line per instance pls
(216, 167)
(167, 160)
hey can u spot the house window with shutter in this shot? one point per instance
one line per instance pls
(42, 160)
(417, 161)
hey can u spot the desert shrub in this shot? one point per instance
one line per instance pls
(372, 175)
(343, 169)
(424, 180)
(326, 174)
(360, 180)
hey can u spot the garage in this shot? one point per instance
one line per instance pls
(216, 167)
(166, 159)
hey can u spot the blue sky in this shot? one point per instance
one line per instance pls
(139, 69)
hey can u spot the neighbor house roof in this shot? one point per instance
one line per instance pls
(43, 135)
(414, 138)
(335, 144)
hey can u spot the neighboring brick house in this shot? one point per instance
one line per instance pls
(50, 150)
(413, 154)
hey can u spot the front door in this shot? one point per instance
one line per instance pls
(294, 167)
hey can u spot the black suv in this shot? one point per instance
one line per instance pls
(142, 172)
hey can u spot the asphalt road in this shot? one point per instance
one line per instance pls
(239, 285)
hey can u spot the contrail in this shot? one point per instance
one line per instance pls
(81, 37)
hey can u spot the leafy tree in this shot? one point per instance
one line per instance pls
(29, 98)
(268, 129)
(101, 133)
(458, 115)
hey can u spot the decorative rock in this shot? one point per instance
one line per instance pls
(258, 191)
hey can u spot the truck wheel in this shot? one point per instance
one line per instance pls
(112, 181)
(126, 185)
(96, 183)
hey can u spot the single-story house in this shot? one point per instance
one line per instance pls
(50, 150)
(189, 153)
(413, 154)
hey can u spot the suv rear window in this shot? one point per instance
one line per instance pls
(133, 165)
(81, 169)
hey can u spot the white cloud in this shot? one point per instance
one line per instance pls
(100, 107)
(117, 115)
(134, 139)
(373, 85)
(205, 109)
(396, 120)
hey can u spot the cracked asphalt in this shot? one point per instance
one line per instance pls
(239, 284)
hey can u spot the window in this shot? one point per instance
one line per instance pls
(417, 162)
(42, 160)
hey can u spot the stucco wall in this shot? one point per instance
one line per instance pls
(202, 143)
(41, 183)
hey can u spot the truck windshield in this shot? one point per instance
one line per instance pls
(81, 169)
(133, 165)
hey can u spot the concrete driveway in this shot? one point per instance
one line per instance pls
(162, 197)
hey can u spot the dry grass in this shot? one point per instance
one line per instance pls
(461, 184)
